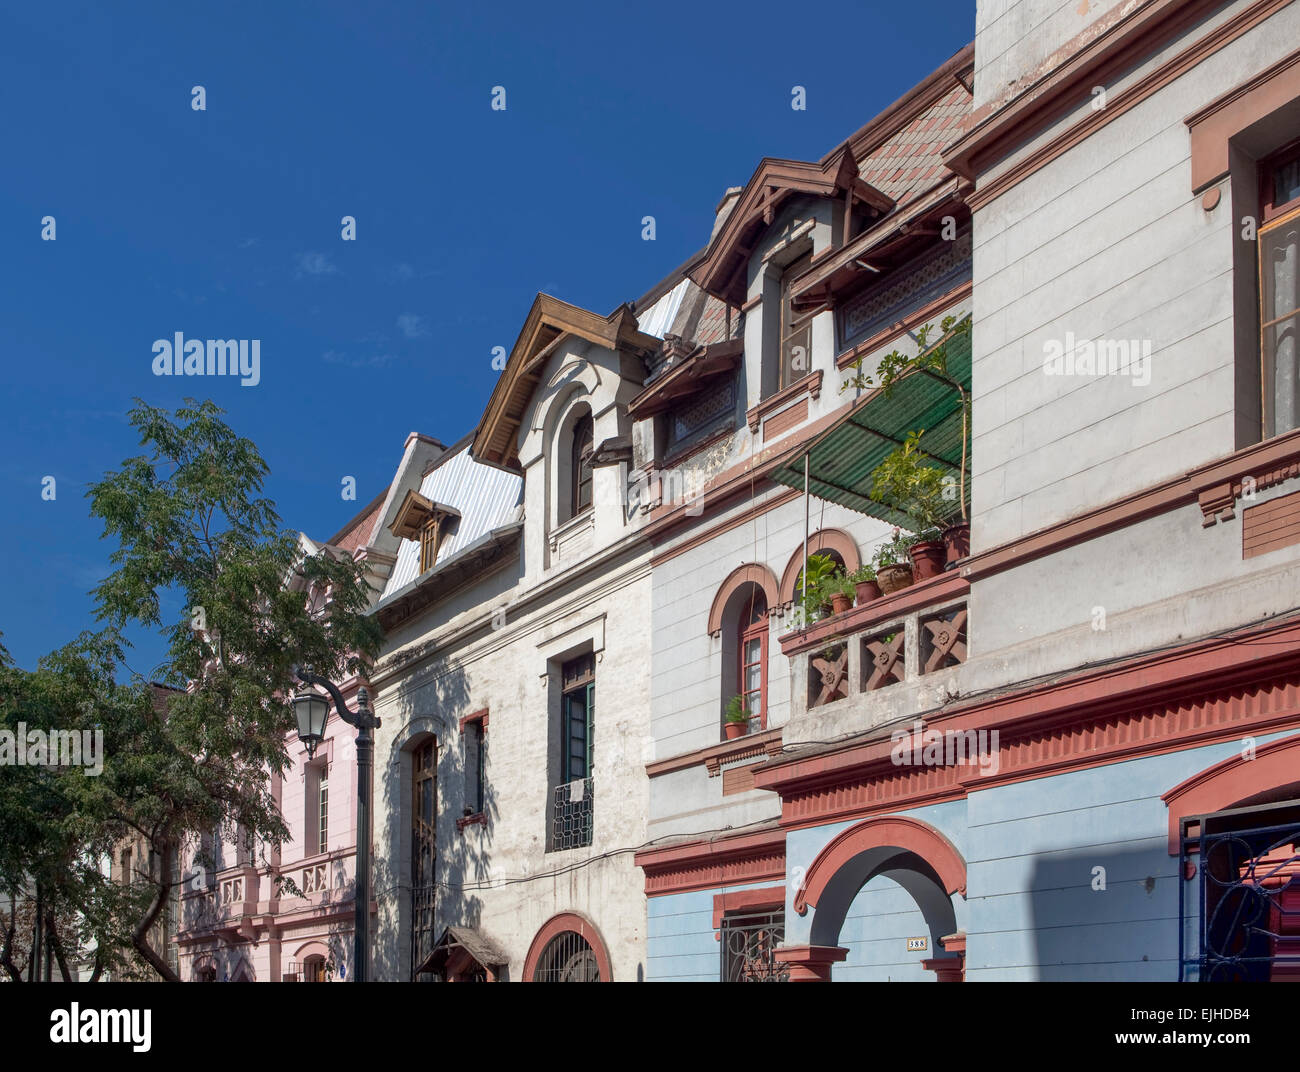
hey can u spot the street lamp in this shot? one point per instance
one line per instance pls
(312, 711)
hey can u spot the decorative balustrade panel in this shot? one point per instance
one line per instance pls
(828, 675)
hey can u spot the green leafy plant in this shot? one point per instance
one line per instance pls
(821, 568)
(933, 360)
(737, 710)
(906, 481)
(894, 551)
(838, 584)
(865, 572)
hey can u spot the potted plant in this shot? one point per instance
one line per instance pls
(840, 589)
(893, 570)
(909, 483)
(864, 583)
(816, 596)
(736, 718)
(934, 362)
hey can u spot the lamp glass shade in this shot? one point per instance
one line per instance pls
(311, 709)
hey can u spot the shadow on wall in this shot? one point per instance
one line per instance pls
(1101, 915)
(431, 709)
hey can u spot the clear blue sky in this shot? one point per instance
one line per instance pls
(225, 223)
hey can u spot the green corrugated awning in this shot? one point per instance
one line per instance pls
(842, 458)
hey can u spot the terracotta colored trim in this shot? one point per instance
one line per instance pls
(931, 592)
(1227, 784)
(568, 921)
(753, 573)
(1245, 682)
(481, 715)
(1215, 486)
(909, 323)
(707, 863)
(821, 540)
(810, 384)
(897, 831)
(768, 897)
(925, 94)
(1213, 126)
(695, 369)
(790, 417)
(767, 743)
(477, 819)
(810, 963)
(1069, 86)
(785, 496)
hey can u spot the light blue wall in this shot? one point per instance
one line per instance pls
(1031, 912)
(680, 941)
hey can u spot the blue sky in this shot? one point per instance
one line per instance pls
(225, 223)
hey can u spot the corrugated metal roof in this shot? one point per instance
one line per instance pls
(658, 318)
(842, 459)
(487, 498)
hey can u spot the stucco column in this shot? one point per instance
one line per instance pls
(810, 963)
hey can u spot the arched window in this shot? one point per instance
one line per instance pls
(313, 969)
(567, 958)
(580, 466)
(752, 651)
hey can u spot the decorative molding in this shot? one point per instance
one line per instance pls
(751, 573)
(581, 925)
(908, 324)
(810, 963)
(1212, 127)
(1270, 525)
(822, 540)
(1231, 781)
(481, 715)
(768, 743)
(767, 898)
(895, 831)
(1068, 86)
(810, 384)
(790, 417)
(704, 864)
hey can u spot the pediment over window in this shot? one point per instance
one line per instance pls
(415, 512)
(721, 269)
(550, 320)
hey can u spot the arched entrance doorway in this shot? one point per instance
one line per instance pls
(904, 854)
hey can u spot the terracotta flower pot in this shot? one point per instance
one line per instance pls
(927, 559)
(840, 603)
(735, 729)
(894, 578)
(867, 591)
(956, 541)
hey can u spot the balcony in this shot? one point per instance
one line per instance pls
(571, 815)
(909, 637)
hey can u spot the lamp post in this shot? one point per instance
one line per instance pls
(312, 710)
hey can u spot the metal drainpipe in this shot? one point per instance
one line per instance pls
(804, 584)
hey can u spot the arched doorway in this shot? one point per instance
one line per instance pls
(886, 857)
(568, 949)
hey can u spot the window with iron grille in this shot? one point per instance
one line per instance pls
(567, 958)
(424, 769)
(571, 806)
(749, 942)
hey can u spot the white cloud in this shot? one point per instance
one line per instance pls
(314, 264)
(412, 326)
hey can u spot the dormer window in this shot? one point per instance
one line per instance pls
(430, 535)
(796, 328)
(581, 466)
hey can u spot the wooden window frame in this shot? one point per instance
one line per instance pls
(578, 684)
(580, 461)
(1273, 216)
(471, 726)
(791, 325)
(430, 533)
(750, 631)
(322, 809)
